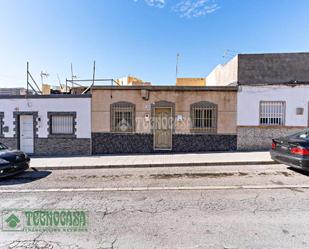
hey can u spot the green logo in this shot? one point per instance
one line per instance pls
(12, 221)
(36, 220)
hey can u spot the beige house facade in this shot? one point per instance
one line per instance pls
(146, 119)
(191, 82)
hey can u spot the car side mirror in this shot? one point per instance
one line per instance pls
(303, 135)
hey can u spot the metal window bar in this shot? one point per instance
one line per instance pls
(122, 118)
(204, 119)
(272, 113)
(62, 124)
(1, 128)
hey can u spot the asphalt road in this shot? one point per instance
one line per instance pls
(259, 207)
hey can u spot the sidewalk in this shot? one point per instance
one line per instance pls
(154, 160)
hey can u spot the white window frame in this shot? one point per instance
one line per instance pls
(273, 112)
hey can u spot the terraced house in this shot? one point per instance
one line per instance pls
(46, 124)
(241, 105)
(272, 98)
(146, 119)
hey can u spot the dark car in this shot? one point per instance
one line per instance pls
(292, 150)
(12, 162)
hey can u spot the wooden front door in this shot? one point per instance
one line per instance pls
(163, 129)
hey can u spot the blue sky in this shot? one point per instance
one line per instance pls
(142, 37)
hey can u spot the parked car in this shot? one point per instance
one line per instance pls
(12, 162)
(292, 150)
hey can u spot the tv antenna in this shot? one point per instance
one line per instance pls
(72, 74)
(177, 61)
(43, 75)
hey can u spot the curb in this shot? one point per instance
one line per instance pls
(159, 165)
(136, 189)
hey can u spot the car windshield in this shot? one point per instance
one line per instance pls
(3, 147)
(301, 135)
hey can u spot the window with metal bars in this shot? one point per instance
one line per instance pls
(122, 117)
(272, 113)
(62, 124)
(204, 117)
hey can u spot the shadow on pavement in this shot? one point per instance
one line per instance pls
(303, 172)
(25, 177)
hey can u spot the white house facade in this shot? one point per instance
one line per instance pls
(47, 125)
(272, 98)
(270, 111)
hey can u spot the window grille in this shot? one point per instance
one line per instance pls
(272, 113)
(62, 124)
(122, 117)
(204, 117)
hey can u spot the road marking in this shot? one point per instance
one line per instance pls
(153, 188)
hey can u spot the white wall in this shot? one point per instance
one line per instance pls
(225, 74)
(249, 97)
(82, 107)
